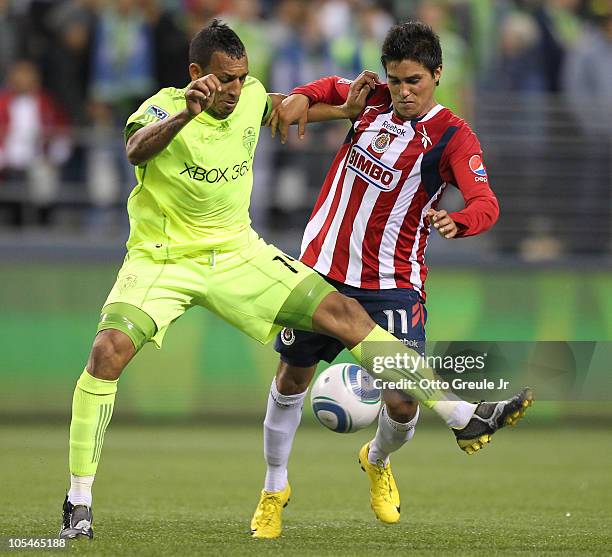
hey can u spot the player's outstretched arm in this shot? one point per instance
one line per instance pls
(297, 109)
(147, 142)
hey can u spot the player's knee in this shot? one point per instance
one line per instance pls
(354, 317)
(350, 308)
(402, 411)
(111, 352)
(341, 317)
(293, 380)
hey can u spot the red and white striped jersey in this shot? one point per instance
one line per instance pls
(368, 228)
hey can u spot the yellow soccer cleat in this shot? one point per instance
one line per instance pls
(489, 417)
(266, 522)
(384, 496)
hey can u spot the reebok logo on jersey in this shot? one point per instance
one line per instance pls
(157, 112)
(425, 139)
(372, 170)
(215, 175)
(393, 128)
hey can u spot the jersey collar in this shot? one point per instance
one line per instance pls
(427, 116)
(205, 118)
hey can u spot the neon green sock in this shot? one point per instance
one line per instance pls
(92, 408)
(379, 345)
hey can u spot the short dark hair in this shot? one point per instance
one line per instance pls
(412, 40)
(216, 36)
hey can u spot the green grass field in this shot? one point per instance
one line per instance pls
(164, 490)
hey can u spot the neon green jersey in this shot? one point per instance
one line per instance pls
(194, 195)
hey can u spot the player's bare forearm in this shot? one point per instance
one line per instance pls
(151, 140)
(322, 112)
(295, 109)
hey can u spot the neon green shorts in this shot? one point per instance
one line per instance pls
(247, 288)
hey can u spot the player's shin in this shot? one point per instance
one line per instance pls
(283, 416)
(398, 366)
(92, 409)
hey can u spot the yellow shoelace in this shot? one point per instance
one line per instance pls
(268, 507)
(385, 477)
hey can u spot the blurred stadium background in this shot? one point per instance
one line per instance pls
(534, 78)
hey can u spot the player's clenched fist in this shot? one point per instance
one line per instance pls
(443, 223)
(358, 93)
(201, 93)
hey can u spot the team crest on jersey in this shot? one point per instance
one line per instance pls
(248, 140)
(381, 143)
(156, 112)
(476, 166)
(127, 282)
(287, 337)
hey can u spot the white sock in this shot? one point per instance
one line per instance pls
(456, 413)
(283, 417)
(390, 436)
(80, 490)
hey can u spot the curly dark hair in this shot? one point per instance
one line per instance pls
(412, 40)
(216, 36)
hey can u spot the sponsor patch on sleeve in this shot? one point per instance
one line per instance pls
(477, 167)
(157, 112)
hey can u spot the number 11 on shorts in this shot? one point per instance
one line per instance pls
(391, 320)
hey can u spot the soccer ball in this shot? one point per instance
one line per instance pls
(344, 398)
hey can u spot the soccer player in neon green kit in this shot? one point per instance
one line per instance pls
(191, 244)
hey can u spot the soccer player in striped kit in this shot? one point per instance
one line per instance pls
(367, 236)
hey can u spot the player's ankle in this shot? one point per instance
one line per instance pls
(276, 478)
(80, 490)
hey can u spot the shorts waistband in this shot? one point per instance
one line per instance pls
(196, 252)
